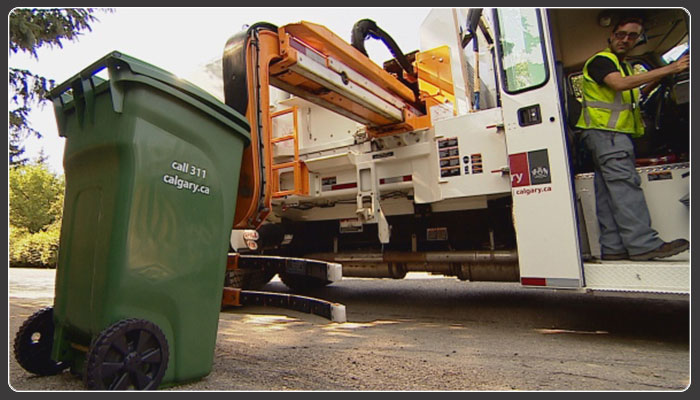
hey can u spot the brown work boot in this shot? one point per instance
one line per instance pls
(667, 249)
(615, 256)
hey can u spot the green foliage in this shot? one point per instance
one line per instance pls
(29, 30)
(33, 28)
(36, 207)
(34, 250)
(29, 89)
(36, 197)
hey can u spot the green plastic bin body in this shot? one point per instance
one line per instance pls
(152, 167)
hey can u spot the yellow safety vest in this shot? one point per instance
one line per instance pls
(606, 109)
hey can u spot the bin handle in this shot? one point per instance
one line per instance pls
(83, 85)
(87, 73)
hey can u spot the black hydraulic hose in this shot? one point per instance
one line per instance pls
(473, 22)
(234, 67)
(259, 120)
(485, 32)
(366, 28)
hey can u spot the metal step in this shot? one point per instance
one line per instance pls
(329, 271)
(236, 297)
(636, 276)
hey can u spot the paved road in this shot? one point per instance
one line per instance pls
(429, 333)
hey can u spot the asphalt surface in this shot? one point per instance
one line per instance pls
(427, 333)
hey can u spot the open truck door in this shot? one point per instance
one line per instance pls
(543, 199)
(553, 203)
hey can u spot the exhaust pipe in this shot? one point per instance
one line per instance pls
(477, 265)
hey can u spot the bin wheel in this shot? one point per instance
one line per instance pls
(33, 344)
(302, 283)
(132, 354)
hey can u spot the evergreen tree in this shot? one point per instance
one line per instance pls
(31, 29)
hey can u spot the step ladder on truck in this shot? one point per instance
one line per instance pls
(457, 159)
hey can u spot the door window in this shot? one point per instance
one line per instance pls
(522, 49)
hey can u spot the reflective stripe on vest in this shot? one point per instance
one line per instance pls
(605, 108)
(616, 107)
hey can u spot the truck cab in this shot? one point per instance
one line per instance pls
(466, 163)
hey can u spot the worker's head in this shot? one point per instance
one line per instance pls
(625, 35)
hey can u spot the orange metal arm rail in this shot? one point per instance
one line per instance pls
(326, 42)
(249, 212)
(328, 50)
(371, 96)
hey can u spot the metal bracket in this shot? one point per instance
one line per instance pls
(369, 210)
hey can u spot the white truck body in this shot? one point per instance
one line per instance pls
(511, 149)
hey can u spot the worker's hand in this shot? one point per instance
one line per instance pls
(680, 65)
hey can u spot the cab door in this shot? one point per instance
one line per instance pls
(543, 198)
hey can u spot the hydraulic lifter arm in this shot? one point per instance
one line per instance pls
(246, 64)
(311, 62)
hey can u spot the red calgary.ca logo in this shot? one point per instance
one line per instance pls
(531, 168)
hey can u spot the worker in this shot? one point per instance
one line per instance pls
(610, 118)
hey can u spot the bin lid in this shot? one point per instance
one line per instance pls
(139, 67)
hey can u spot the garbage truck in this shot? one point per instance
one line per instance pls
(461, 158)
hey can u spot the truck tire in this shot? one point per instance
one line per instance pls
(248, 279)
(301, 283)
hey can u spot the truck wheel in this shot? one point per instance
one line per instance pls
(33, 344)
(302, 283)
(132, 354)
(248, 279)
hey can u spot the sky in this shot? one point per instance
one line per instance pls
(184, 40)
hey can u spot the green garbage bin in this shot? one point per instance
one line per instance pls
(152, 166)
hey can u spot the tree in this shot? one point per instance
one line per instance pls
(36, 197)
(31, 29)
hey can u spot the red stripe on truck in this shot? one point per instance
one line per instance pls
(395, 179)
(533, 281)
(344, 186)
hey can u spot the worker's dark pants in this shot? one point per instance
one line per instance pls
(623, 216)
